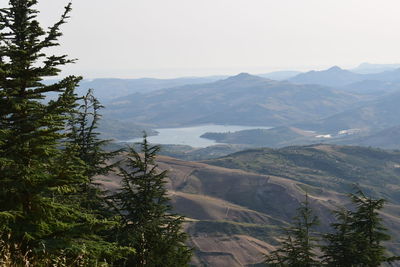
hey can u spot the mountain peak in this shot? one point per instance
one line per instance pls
(335, 68)
(242, 75)
(245, 77)
(334, 76)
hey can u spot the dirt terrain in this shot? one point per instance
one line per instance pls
(234, 217)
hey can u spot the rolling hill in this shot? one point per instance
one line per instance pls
(275, 137)
(368, 68)
(235, 205)
(375, 125)
(387, 139)
(331, 167)
(367, 106)
(372, 87)
(279, 75)
(371, 116)
(333, 77)
(336, 77)
(107, 89)
(239, 100)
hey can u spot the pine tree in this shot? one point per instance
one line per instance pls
(40, 172)
(297, 248)
(368, 229)
(341, 247)
(358, 236)
(90, 148)
(148, 225)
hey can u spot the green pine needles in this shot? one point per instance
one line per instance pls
(358, 235)
(148, 224)
(83, 136)
(34, 173)
(298, 247)
(355, 240)
(51, 212)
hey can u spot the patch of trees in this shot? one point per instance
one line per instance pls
(52, 213)
(356, 238)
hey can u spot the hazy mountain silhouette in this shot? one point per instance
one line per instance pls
(368, 68)
(337, 77)
(333, 77)
(109, 88)
(242, 99)
(279, 75)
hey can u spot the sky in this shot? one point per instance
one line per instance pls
(175, 38)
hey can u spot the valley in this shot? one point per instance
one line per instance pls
(236, 205)
(199, 133)
(238, 186)
(298, 110)
(192, 136)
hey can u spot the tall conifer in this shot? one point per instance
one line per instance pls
(90, 148)
(358, 235)
(148, 224)
(341, 247)
(39, 172)
(297, 247)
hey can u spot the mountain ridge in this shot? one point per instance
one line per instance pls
(242, 99)
(337, 77)
(236, 204)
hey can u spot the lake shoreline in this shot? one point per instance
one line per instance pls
(191, 136)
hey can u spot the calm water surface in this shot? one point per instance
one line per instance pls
(191, 135)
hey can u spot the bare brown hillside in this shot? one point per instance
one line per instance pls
(234, 216)
(237, 213)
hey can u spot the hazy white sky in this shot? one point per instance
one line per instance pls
(169, 38)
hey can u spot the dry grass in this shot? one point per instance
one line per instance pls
(12, 255)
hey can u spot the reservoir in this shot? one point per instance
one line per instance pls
(191, 135)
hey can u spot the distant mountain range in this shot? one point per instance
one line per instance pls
(372, 123)
(368, 68)
(236, 203)
(239, 100)
(279, 75)
(376, 114)
(107, 89)
(110, 88)
(387, 138)
(337, 77)
(371, 87)
(333, 77)
(362, 103)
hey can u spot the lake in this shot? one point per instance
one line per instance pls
(191, 135)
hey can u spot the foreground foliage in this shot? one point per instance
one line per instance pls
(358, 235)
(298, 247)
(148, 225)
(38, 179)
(51, 212)
(356, 239)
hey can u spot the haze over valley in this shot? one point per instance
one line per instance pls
(243, 150)
(333, 106)
(317, 126)
(199, 133)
